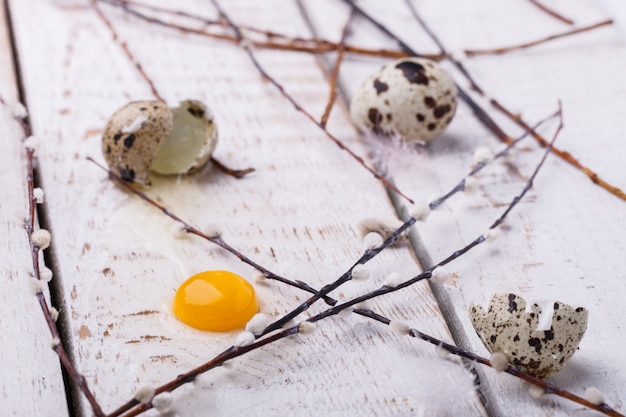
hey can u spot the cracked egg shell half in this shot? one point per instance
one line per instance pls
(510, 328)
(413, 98)
(146, 136)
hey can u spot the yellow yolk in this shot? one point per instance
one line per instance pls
(218, 301)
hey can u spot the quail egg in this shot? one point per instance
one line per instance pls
(508, 328)
(413, 98)
(146, 136)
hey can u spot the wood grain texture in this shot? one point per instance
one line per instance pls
(118, 263)
(31, 382)
(565, 241)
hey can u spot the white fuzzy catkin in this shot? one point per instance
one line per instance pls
(41, 238)
(244, 339)
(420, 211)
(372, 240)
(306, 327)
(440, 275)
(536, 391)
(499, 361)
(32, 142)
(45, 274)
(144, 394)
(393, 280)
(594, 396)
(360, 273)
(18, 111)
(163, 402)
(213, 230)
(54, 313)
(384, 227)
(470, 185)
(39, 195)
(260, 279)
(258, 323)
(35, 285)
(399, 327)
(363, 305)
(492, 234)
(482, 154)
(55, 343)
(177, 231)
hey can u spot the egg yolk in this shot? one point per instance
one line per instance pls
(218, 301)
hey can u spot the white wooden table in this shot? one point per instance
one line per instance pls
(116, 262)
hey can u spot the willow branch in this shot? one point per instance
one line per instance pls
(299, 108)
(215, 239)
(504, 49)
(551, 12)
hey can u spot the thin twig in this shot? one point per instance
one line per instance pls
(551, 12)
(480, 113)
(127, 52)
(460, 186)
(287, 44)
(511, 370)
(298, 107)
(29, 227)
(215, 239)
(595, 178)
(334, 75)
(502, 50)
(235, 351)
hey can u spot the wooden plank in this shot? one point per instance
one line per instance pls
(565, 241)
(31, 382)
(118, 263)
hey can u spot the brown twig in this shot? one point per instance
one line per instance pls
(595, 178)
(215, 239)
(29, 227)
(502, 50)
(127, 52)
(298, 107)
(511, 370)
(288, 44)
(334, 75)
(551, 12)
(480, 113)
(235, 351)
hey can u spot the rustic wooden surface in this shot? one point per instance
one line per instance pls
(117, 262)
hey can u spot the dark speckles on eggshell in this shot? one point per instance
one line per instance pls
(415, 73)
(441, 111)
(538, 352)
(432, 126)
(374, 117)
(430, 102)
(420, 117)
(380, 86)
(128, 142)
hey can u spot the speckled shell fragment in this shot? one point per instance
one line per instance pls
(197, 135)
(148, 136)
(413, 98)
(132, 138)
(506, 327)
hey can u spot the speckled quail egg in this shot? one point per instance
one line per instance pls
(146, 136)
(508, 328)
(413, 98)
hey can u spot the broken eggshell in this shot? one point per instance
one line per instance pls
(413, 98)
(148, 136)
(508, 328)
